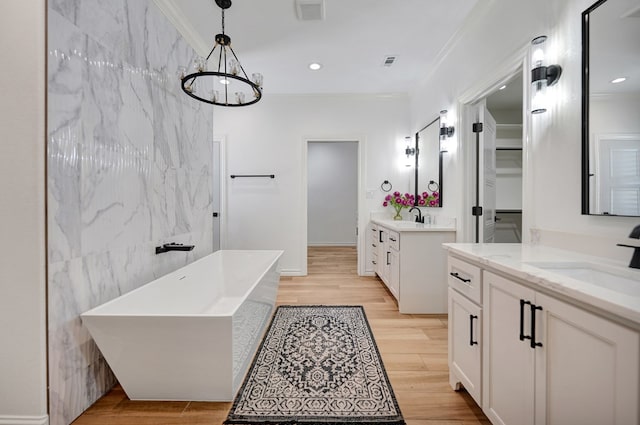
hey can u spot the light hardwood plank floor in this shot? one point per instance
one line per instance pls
(413, 349)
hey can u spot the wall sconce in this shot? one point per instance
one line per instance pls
(542, 76)
(409, 151)
(445, 131)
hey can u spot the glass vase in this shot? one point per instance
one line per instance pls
(397, 216)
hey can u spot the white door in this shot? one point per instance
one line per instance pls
(487, 174)
(617, 173)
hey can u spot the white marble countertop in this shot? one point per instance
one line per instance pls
(412, 226)
(519, 261)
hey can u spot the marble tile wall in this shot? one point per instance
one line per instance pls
(129, 168)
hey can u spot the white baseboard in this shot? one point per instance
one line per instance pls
(24, 420)
(331, 244)
(286, 272)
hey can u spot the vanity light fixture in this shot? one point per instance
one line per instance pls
(542, 75)
(445, 131)
(409, 150)
(228, 84)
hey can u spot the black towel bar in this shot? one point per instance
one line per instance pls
(271, 176)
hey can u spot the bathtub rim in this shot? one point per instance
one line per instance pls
(95, 311)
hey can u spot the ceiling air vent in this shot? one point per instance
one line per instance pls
(310, 10)
(389, 60)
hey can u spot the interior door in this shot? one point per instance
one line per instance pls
(487, 174)
(618, 174)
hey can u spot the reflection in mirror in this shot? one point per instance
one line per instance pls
(428, 170)
(611, 108)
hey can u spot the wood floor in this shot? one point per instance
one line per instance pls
(413, 349)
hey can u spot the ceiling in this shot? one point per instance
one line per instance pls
(351, 42)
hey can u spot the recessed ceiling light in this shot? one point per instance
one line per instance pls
(503, 87)
(315, 66)
(618, 80)
(224, 81)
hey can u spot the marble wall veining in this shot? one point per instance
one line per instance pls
(129, 168)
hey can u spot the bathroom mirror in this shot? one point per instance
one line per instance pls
(428, 170)
(611, 108)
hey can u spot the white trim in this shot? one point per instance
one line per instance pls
(181, 23)
(24, 420)
(518, 61)
(224, 232)
(320, 244)
(363, 219)
(465, 29)
(293, 272)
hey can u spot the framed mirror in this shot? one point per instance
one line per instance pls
(428, 168)
(611, 108)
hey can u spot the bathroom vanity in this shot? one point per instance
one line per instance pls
(410, 261)
(539, 335)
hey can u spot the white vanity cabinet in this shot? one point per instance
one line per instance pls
(465, 327)
(411, 263)
(546, 361)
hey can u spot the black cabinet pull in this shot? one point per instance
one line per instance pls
(471, 341)
(388, 258)
(522, 335)
(457, 276)
(374, 245)
(534, 344)
(373, 261)
(392, 240)
(380, 236)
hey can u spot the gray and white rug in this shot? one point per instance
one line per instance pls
(317, 365)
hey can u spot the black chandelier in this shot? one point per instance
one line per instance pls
(229, 84)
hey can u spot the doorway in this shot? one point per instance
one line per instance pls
(218, 192)
(495, 166)
(332, 193)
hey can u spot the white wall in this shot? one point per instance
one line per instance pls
(332, 194)
(269, 137)
(22, 214)
(552, 192)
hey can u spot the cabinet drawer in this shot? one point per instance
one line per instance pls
(466, 279)
(394, 240)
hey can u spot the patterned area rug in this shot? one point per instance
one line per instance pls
(317, 365)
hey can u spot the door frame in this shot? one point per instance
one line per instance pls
(518, 62)
(361, 222)
(222, 217)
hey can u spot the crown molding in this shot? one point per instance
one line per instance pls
(183, 25)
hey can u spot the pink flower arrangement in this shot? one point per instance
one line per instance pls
(400, 201)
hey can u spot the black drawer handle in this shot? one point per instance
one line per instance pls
(471, 341)
(374, 245)
(388, 258)
(534, 344)
(380, 236)
(522, 335)
(457, 276)
(374, 262)
(392, 240)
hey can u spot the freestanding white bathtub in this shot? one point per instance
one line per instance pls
(191, 334)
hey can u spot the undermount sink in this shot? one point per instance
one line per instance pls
(593, 274)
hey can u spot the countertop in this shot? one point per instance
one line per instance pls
(519, 261)
(411, 226)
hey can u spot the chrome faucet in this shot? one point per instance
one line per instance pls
(419, 217)
(635, 260)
